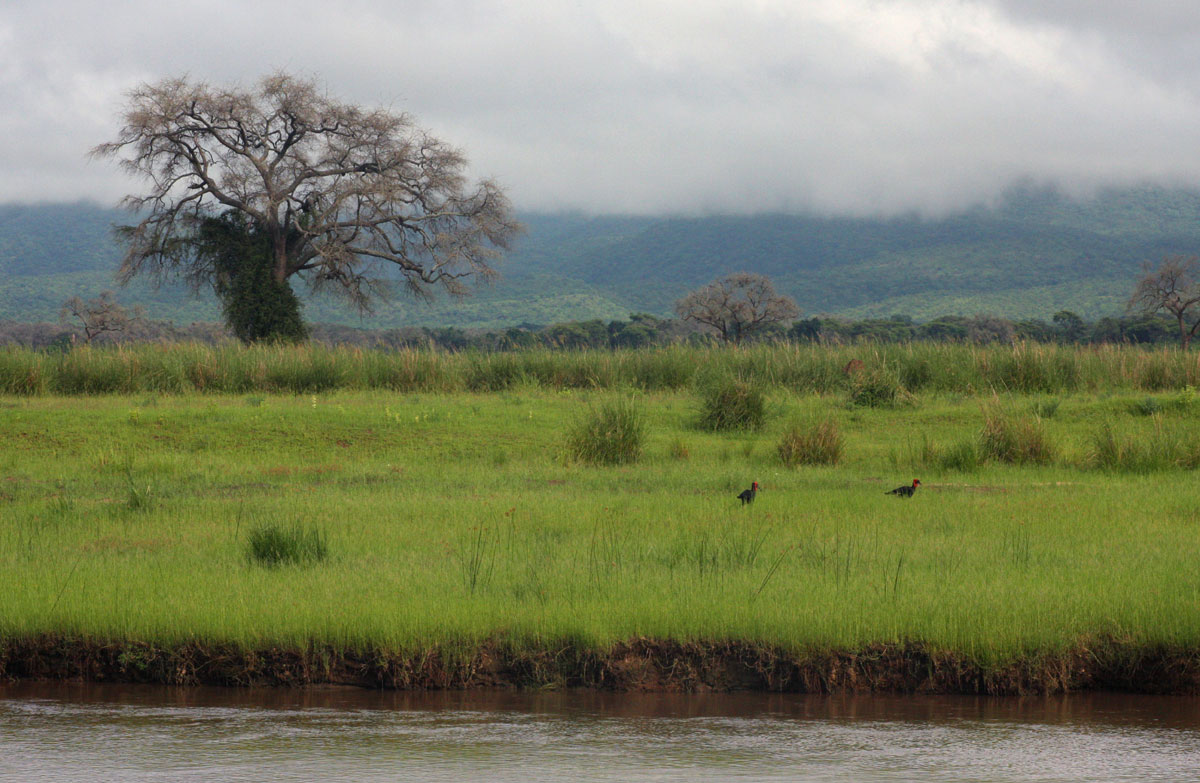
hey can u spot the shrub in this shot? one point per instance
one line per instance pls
(1019, 440)
(812, 444)
(733, 405)
(612, 435)
(275, 544)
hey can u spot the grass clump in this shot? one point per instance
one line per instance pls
(962, 456)
(819, 443)
(876, 388)
(1149, 406)
(1120, 452)
(1114, 452)
(138, 496)
(1020, 440)
(275, 544)
(612, 435)
(733, 405)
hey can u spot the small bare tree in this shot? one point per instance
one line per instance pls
(98, 316)
(340, 194)
(1172, 288)
(736, 306)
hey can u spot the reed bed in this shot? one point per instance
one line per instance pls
(887, 374)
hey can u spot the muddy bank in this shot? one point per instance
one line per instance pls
(637, 665)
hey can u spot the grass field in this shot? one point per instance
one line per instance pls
(453, 518)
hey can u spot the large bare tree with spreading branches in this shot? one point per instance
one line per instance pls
(339, 194)
(1173, 288)
(736, 306)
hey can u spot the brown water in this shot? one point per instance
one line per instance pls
(55, 732)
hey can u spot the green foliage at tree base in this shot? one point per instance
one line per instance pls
(257, 307)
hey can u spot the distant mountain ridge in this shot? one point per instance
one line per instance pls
(1035, 253)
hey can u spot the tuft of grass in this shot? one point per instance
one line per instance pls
(276, 544)
(733, 404)
(962, 456)
(1113, 452)
(876, 388)
(1020, 440)
(1135, 453)
(819, 443)
(138, 496)
(678, 449)
(611, 435)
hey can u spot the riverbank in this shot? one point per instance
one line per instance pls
(639, 665)
(457, 523)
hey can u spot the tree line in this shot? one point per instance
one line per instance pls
(640, 330)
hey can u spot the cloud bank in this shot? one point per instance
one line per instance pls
(682, 106)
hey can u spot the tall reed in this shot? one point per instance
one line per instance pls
(887, 371)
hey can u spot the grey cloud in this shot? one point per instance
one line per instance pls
(839, 106)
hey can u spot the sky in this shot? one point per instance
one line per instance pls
(862, 107)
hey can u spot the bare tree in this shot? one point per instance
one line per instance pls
(1173, 288)
(98, 316)
(341, 193)
(736, 306)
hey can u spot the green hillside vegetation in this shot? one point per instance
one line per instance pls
(1034, 254)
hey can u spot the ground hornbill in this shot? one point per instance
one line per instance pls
(747, 495)
(905, 491)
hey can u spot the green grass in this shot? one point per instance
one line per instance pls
(890, 374)
(451, 518)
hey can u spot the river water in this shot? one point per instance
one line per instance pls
(58, 732)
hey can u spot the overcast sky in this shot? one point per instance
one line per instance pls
(838, 106)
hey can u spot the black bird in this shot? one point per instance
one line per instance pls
(747, 495)
(905, 491)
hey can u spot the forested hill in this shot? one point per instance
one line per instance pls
(1034, 254)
